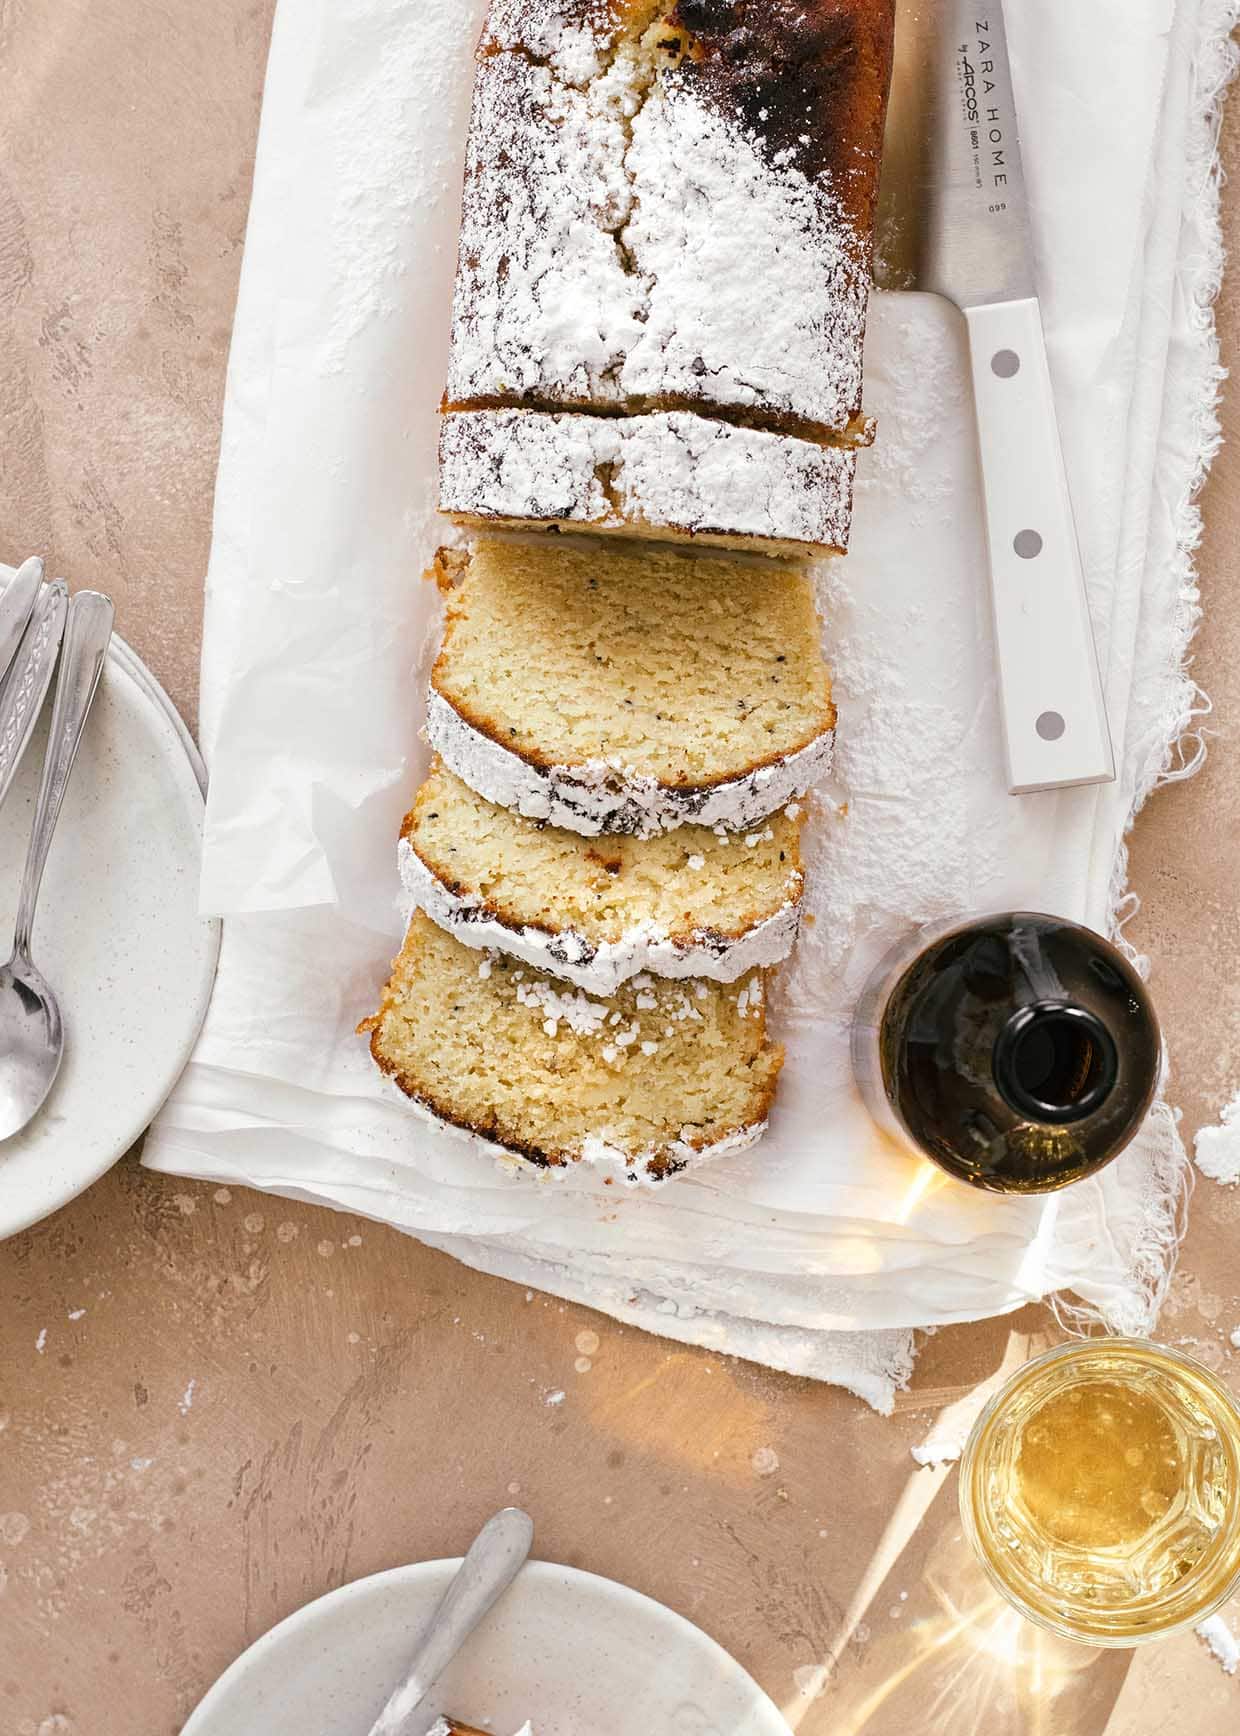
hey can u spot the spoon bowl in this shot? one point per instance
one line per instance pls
(32, 1044)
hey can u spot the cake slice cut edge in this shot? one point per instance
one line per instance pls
(643, 1085)
(671, 476)
(629, 688)
(688, 904)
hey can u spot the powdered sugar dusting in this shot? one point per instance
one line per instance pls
(606, 198)
(582, 1015)
(594, 796)
(674, 472)
(600, 966)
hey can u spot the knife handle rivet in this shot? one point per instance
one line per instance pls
(1050, 726)
(1027, 544)
(1005, 363)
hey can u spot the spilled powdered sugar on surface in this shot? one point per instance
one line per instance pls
(1217, 1149)
(1221, 1642)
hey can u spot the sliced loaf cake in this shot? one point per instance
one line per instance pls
(651, 1081)
(597, 911)
(672, 476)
(630, 688)
(669, 206)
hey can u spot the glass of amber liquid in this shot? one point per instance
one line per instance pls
(1100, 1489)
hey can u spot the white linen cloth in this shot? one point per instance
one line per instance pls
(821, 1250)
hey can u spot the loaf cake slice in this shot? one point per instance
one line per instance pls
(599, 911)
(648, 1082)
(629, 688)
(673, 476)
(671, 207)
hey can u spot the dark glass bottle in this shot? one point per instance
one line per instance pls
(1019, 1052)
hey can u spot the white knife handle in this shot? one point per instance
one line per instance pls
(1054, 718)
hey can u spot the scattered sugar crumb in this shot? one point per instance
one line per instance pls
(765, 1462)
(253, 1223)
(141, 1464)
(326, 1249)
(583, 1365)
(1217, 1149)
(557, 1397)
(822, 1531)
(812, 1680)
(222, 1197)
(529, 1295)
(76, 1313)
(287, 1232)
(353, 1338)
(1221, 1642)
(587, 1342)
(40, 1342)
(186, 1204)
(514, 1488)
(355, 1241)
(484, 968)
(697, 862)
(187, 1399)
(937, 1451)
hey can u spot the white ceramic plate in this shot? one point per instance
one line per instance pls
(117, 935)
(577, 1655)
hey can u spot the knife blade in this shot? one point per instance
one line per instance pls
(954, 220)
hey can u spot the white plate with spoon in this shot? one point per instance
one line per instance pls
(117, 935)
(566, 1652)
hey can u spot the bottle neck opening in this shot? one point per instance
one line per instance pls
(1055, 1062)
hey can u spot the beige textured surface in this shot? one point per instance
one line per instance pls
(239, 1403)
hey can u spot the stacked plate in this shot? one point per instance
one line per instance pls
(117, 934)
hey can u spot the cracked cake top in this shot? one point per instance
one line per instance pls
(670, 207)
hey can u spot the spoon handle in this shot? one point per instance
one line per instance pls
(29, 677)
(495, 1558)
(16, 607)
(87, 633)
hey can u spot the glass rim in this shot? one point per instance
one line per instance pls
(1078, 1347)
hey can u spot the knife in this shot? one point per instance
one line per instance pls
(954, 220)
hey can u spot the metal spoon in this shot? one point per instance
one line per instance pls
(16, 607)
(31, 1029)
(495, 1557)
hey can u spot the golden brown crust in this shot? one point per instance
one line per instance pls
(808, 78)
(732, 542)
(661, 1167)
